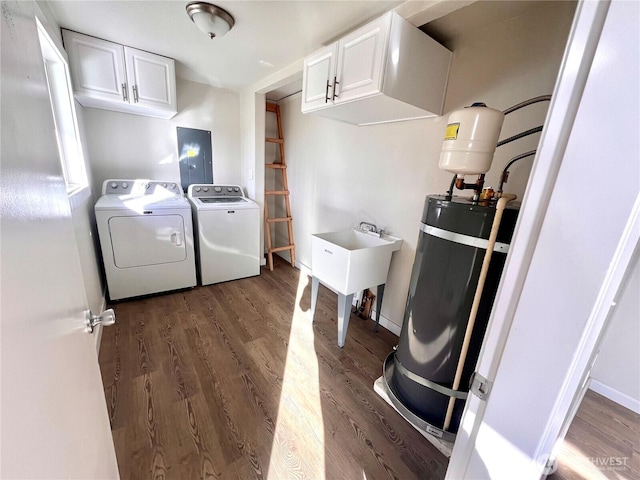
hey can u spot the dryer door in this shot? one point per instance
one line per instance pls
(147, 240)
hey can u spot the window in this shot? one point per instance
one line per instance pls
(64, 113)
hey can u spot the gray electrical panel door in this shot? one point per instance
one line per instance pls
(194, 150)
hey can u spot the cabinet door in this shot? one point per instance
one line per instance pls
(152, 79)
(361, 61)
(97, 67)
(317, 80)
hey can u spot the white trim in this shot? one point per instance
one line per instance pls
(572, 77)
(78, 196)
(597, 323)
(615, 395)
(386, 323)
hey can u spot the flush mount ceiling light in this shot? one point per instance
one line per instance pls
(212, 20)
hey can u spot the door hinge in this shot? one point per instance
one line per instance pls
(480, 386)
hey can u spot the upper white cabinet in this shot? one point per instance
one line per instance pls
(115, 77)
(386, 71)
(317, 89)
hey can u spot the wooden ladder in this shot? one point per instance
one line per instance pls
(280, 165)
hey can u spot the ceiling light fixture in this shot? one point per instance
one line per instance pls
(212, 20)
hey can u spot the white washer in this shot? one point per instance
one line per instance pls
(227, 228)
(146, 235)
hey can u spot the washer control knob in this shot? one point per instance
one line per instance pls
(164, 185)
(218, 189)
(206, 189)
(197, 189)
(147, 186)
(173, 185)
(229, 189)
(125, 185)
(236, 189)
(113, 185)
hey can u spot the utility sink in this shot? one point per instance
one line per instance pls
(348, 261)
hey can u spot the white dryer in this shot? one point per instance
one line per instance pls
(227, 228)
(146, 235)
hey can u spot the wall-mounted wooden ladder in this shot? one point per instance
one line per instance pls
(279, 164)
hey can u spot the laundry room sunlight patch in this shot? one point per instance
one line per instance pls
(300, 408)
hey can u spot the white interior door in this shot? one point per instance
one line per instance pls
(54, 416)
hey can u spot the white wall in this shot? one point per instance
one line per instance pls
(616, 373)
(122, 145)
(340, 174)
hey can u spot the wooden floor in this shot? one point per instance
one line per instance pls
(603, 442)
(234, 381)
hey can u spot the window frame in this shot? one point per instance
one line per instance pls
(65, 119)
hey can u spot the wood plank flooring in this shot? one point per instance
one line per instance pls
(234, 381)
(603, 442)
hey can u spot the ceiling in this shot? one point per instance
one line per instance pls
(483, 14)
(267, 35)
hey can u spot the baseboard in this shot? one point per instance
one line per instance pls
(388, 324)
(615, 395)
(384, 321)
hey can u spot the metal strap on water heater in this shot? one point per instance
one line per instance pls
(427, 383)
(463, 239)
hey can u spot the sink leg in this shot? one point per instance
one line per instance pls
(380, 294)
(314, 295)
(344, 311)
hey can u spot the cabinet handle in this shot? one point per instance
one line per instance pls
(135, 93)
(335, 86)
(326, 93)
(124, 92)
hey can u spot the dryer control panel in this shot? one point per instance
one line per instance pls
(140, 186)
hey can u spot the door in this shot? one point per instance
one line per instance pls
(54, 416)
(361, 57)
(97, 66)
(317, 79)
(147, 240)
(151, 79)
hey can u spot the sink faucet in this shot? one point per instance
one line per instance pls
(369, 227)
